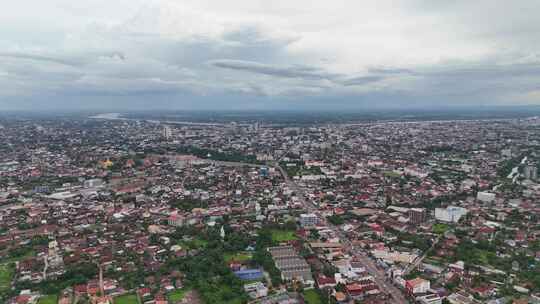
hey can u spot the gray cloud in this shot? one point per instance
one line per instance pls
(487, 71)
(390, 71)
(64, 59)
(362, 80)
(307, 73)
(273, 70)
(37, 57)
(204, 50)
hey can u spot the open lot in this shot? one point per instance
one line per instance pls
(312, 297)
(126, 299)
(6, 273)
(50, 299)
(176, 295)
(239, 257)
(283, 235)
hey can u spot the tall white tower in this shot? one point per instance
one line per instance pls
(167, 132)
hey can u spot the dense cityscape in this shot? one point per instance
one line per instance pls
(107, 209)
(270, 152)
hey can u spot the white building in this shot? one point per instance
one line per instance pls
(418, 285)
(451, 214)
(54, 259)
(167, 132)
(462, 298)
(530, 172)
(416, 172)
(394, 256)
(93, 183)
(357, 267)
(256, 290)
(176, 220)
(429, 299)
(486, 197)
(308, 220)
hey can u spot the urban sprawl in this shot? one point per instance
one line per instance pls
(106, 210)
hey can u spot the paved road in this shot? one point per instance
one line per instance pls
(419, 260)
(377, 274)
(232, 164)
(381, 279)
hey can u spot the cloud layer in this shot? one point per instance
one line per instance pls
(268, 54)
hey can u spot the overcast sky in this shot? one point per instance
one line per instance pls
(251, 54)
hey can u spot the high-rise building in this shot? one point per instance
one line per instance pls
(308, 220)
(530, 172)
(450, 214)
(417, 215)
(54, 260)
(167, 132)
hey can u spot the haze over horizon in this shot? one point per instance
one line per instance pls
(268, 55)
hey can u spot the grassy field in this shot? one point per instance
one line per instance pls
(283, 235)
(177, 295)
(392, 174)
(6, 273)
(440, 228)
(239, 257)
(193, 244)
(221, 294)
(312, 297)
(300, 170)
(126, 299)
(50, 299)
(18, 258)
